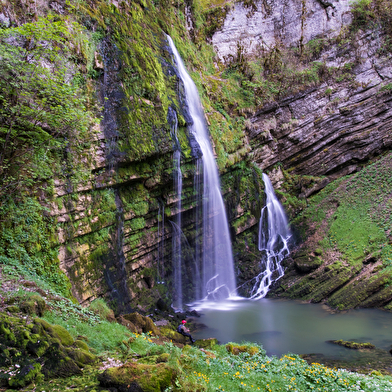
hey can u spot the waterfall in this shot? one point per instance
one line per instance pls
(161, 239)
(216, 262)
(176, 237)
(274, 233)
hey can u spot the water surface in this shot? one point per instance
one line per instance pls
(283, 326)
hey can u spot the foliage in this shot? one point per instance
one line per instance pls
(26, 232)
(40, 107)
(358, 214)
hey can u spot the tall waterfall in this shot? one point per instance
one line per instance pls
(216, 267)
(274, 233)
(176, 237)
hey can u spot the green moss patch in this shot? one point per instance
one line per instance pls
(353, 345)
(149, 378)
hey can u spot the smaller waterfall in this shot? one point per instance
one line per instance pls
(274, 234)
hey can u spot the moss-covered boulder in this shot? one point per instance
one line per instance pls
(34, 304)
(138, 377)
(236, 349)
(353, 345)
(129, 324)
(304, 262)
(40, 350)
(26, 375)
(206, 343)
(142, 323)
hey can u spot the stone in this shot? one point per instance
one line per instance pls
(268, 24)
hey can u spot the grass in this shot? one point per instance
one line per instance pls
(218, 369)
(356, 213)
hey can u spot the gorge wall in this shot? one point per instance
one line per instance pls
(289, 88)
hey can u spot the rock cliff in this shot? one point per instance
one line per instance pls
(287, 87)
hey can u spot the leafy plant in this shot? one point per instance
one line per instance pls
(41, 110)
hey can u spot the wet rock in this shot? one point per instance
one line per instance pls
(353, 345)
(162, 305)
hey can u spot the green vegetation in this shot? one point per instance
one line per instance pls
(348, 225)
(353, 345)
(42, 110)
(149, 359)
(358, 213)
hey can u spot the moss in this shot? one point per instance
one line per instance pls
(81, 357)
(142, 322)
(353, 345)
(65, 337)
(34, 304)
(206, 343)
(100, 307)
(12, 309)
(26, 375)
(149, 378)
(81, 344)
(237, 349)
(307, 263)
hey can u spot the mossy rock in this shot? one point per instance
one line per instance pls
(236, 349)
(26, 375)
(145, 324)
(12, 309)
(81, 344)
(100, 308)
(168, 332)
(353, 345)
(129, 324)
(307, 263)
(40, 325)
(37, 348)
(206, 343)
(153, 359)
(164, 357)
(138, 377)
(81, 357)
(65, 337)
(51, 343)
(33, 305)
(149, 360)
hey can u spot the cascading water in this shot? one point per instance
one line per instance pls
(274, 234)
(161, 239)
(176, 237)
(217, 278)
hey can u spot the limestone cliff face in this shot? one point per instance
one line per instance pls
(262, 25)
(327, 130)
(115, 199)
(331, 129)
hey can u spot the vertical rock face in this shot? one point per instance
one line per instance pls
(333, 128)
(262, 25)
(116, 189)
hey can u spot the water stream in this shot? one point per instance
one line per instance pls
(216, 267)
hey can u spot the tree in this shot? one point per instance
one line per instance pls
(41, 109)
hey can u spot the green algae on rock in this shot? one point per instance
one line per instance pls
(353, 345)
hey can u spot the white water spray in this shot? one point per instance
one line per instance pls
(274, 233)
(217, 278)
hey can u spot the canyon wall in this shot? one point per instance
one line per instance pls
(114, 201)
